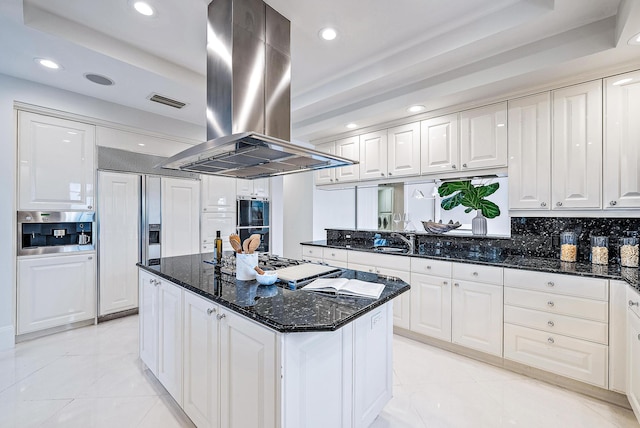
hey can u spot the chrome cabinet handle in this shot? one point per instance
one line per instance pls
(210, 311)
(464, 165)
(90, 258)
(475, 274)
(428, 267)
(333, 254)
(220, 316)
(453, 166)
(613, 203)
(331, 180)
(558, 204)
(550, 324)
(550, 284)
(390, 174)
(550, 340)
(632, 303)
(445, 282)
(337, 179)
(90, 207)
(382, 174)
(550, 304)
(456, 284)
(543, 204)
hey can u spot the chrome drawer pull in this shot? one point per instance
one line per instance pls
(445, 282)
(550, 324)
(550, 304)
(220, 316)
(456, 284)
(550, 340)
(210, 311)
(475, 274)
(428, 267)
(550, 284)
(632, 303)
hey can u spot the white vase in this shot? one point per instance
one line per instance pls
(479, 224)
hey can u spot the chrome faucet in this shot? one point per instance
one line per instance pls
(411, 242)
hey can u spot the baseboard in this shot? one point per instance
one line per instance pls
(115, 315)
(552, 378)
(53, 330)
(7, 337)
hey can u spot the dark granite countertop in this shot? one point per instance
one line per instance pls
(276, 307)
(492, 258)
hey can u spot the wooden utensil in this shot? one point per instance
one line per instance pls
(245, 245)
(260, 271)
(234, 240)
(254, 242)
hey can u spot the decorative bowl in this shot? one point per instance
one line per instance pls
(440, 227)
(268, 278)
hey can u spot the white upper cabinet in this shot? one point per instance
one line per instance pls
(622, 142)
(348, 148)
(56, 163)
(530, 152)
(373, 155)
(326, 175)
(439, 144)
(577, 146)
(483, 137)
(258, 188)
(180, 200)
(218, 194)
(403, 150)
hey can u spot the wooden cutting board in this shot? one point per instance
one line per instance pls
(304, 271)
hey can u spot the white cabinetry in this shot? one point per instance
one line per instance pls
(477, 307)
(633, 346)
(218, 194)
(373, 155)
(618, 336)
(530, 152)
(439, 145)
(56, 163)
(403, 150)
(201, 361)
(622, 142)
(170, 338)
(327, 175)
(118, 217)
(148, 298)
(55, 291)
(577, 146)
(312, 253)
(348, 148)
(258, 188)
(383, 264)
(483, 137)
(558, 323)
(180, 200)
(212, 222)
(431, 298)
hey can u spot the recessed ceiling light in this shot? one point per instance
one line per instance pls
(500, 125)
(98, 79)
(415, 109)
(351, 125)
(635, 40)
(48, 63)
(141, 144)
(622, 81)
(143, 8)
(328, 33)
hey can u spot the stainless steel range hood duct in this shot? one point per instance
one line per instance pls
(249, 98)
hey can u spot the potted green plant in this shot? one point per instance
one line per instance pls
(474, 198)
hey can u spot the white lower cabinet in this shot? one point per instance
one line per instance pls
(170, 338)
(618, 336)
(148, 319)
(55, 290)
(431, 298)
(633, 347)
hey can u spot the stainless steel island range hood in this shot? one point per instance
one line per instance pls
(248, 98)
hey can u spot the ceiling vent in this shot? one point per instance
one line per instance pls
(167, 101)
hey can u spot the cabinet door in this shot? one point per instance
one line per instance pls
(348, 148)
(218, 194)
(200, 361)
(403, 150)
(431, 306)
(577, 146)
(261, 187)
(55, 291)
(373, 155)
(622, 142)
(439, 144)
(180, 220)
(170, 339)
(119, 219)
(633, 363)
(618, 336)
(327, 175)
(530, 152)
(149, 320)
(477, 316)
(56, 163)
(401, 304)
(244, 187)
(212, 222)
(248, 373)
(483, 137)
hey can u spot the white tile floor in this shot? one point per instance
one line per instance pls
(92, 377)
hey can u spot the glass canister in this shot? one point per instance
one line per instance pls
(568, 246)
(600, 250)
(629, 251)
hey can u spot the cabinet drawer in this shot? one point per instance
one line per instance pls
(561, 324)
(634, 298)
(380, 260)
(596, 310)
(431, 267)
(333, 254)
(311, 251)
(590, 288)
(478, 273)
(566, 356)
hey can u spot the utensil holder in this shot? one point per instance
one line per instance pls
(244, 266)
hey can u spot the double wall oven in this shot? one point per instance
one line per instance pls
(253, 218)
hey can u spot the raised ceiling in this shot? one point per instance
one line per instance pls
(388, 54)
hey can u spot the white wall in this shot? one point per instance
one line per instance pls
(17, 90)
(333, 209)
(297, 215)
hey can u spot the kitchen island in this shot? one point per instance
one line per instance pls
(236, 354)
